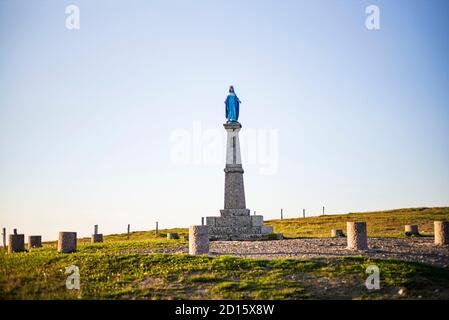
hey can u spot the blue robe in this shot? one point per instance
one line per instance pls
(232, 107)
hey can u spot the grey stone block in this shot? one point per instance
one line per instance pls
(16, 243)
(441, 229)
(257, 221)
(173, 236)
(336, 233)
(357, 237)
(267, 229)
(67, 242)
(210, 221)
(34, 242)
(237, 221)
(96, 238)
(198, 240)
(234, 212)
(411, 229)
(234, 189)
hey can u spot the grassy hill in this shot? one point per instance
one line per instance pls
(136, 268)
(388, 223)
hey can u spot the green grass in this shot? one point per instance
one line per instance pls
(138, 268)
(106, 273)
(379, 224)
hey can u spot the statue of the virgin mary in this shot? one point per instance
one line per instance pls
(232, 106)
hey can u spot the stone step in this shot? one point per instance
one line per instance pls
(234, 230)
(240, 237)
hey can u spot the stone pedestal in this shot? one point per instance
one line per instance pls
(34, 242)
(235, 221)
(198, 240)
(411, 230)
(337, 233)
(97, 238)
(441, 229)
(357, 238)
(67, 242)
(173, 236)
(16, 242)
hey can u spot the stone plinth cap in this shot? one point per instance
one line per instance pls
(232, 125)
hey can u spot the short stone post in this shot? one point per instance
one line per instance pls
(202, 221)
(173, 236)
(129, 228)
(4, 238)
(96, 237)
(157, 229)
(323, 210)
(303, 213)
(67, 242)
(16, 242)
(441, 229)
(34, 242)
(198, 240)
(411, 230)
(282, 214)
(357, 239)
(337, 233)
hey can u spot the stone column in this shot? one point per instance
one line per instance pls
(67, 242)
(16, 242)
(4, 238)
(441, 229)
(34, 242)
(356, 233)
(411, 229)
(198, 240)
(234, 197)
(96, 237)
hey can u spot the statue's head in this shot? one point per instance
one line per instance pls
(231, 89)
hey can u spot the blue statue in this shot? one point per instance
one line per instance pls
(232, 106)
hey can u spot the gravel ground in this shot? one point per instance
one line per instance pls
(410, 249)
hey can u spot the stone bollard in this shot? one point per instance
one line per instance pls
(97, 238)
(337, 233)
(441, 229)
(16, 242)
(173, 236)
(356, 232)
(67, 242)
(198, 240)
(34, 242)
(411, 230)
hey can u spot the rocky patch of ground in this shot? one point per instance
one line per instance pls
(410, 249)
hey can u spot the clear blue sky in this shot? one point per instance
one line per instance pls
(86, 116)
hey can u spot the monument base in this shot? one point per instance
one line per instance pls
(239, 227)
